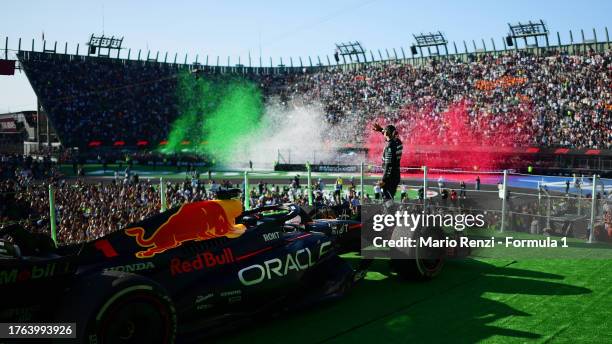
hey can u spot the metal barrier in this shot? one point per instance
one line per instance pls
(535, 204)
(576, 207)
(568, 206)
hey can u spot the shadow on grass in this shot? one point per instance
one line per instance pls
(455, 307)
(384, 308)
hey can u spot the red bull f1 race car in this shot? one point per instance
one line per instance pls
(179, 274)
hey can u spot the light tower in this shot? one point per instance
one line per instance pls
(109, 44)
(350, 49)
(526, 30)
(428, 40)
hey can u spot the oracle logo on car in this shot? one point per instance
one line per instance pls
(297, 261)
(202, 260)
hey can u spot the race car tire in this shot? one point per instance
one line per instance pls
(116, 307)
(419, 264)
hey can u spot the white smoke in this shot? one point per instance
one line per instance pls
(290, 133)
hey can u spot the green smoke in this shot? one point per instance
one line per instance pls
(215, 112)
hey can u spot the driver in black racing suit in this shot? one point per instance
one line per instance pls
(392, 155)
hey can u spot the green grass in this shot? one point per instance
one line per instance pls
(486, 300)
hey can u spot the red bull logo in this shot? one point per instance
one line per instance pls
(194, 221)
(203, 260)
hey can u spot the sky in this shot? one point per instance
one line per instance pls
(273, 28)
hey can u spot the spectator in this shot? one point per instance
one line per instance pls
(377, 192)
(404, 193)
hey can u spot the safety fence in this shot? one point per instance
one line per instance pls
(578, 206)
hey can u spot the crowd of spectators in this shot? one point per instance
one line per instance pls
(543, 100)
(102, 99)
(552, 99)
(87, 209)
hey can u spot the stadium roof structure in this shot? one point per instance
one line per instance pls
(102, 42)
(521, 30)
(431, 39)
(529, 29)
(350, 49)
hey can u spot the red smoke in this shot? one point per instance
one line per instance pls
(462, 136)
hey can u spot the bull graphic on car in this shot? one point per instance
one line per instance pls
(195, 221)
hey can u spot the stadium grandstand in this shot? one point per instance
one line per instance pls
(552, 100)
(113, 100)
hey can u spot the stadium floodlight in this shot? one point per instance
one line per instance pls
(97, 43)
(349, 49)
(428, 40)
(526, 30)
